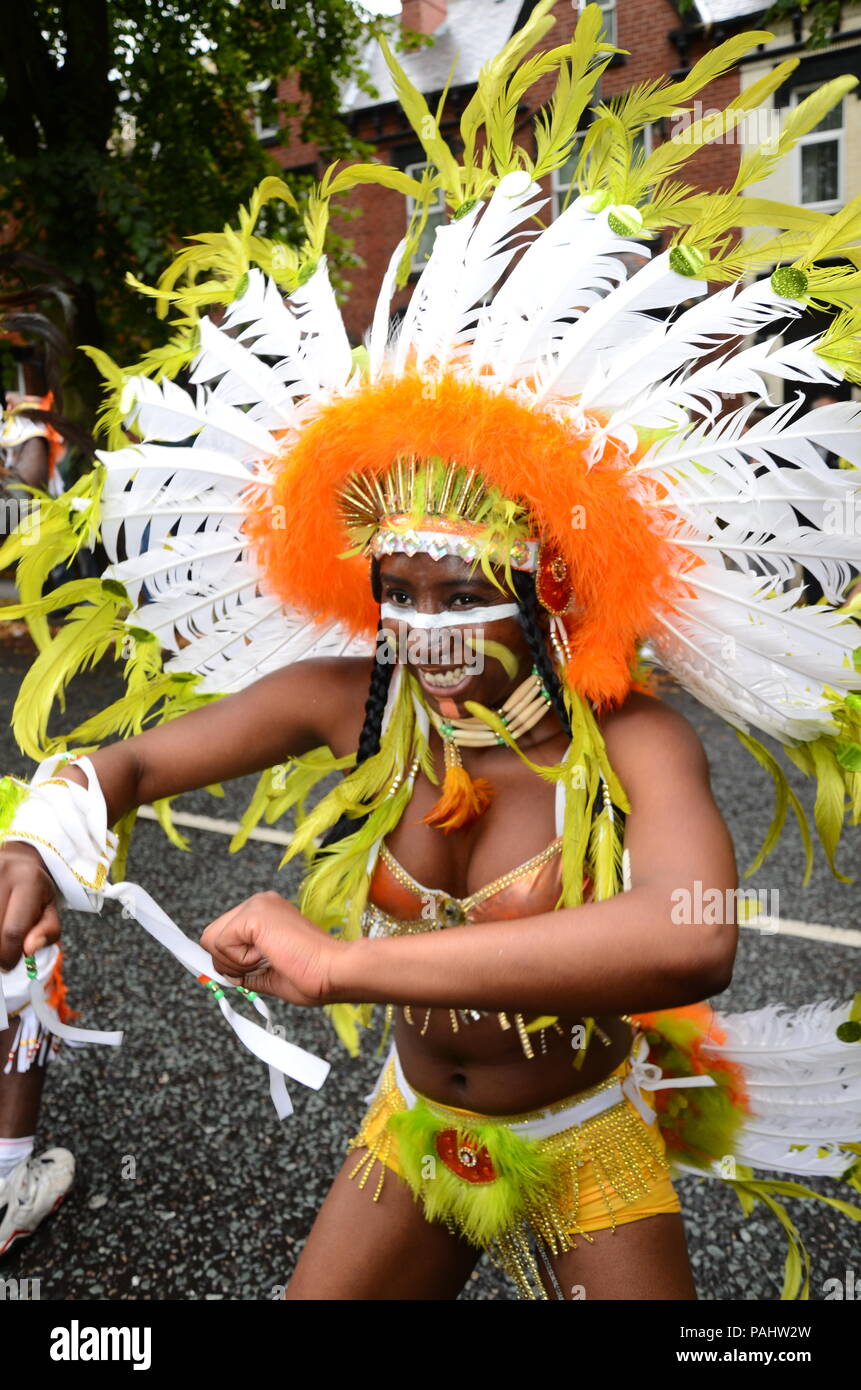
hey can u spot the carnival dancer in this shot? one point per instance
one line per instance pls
(513, 493)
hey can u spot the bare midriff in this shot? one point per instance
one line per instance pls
(483, 1068)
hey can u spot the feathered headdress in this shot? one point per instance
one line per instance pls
(590, 397)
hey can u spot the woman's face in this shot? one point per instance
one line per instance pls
(482, 661)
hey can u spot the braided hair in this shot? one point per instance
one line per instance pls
(375, 705)
(530, 621)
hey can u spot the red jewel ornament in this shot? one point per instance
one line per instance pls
(465, 1158)
(553, 582)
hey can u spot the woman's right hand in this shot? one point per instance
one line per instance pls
(28, 909)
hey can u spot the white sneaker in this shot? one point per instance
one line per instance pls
(31, 1192)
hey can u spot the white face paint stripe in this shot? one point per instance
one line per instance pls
(461, 617)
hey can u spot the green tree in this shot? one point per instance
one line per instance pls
(821, 15)
(125, 125)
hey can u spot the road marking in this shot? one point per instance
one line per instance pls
(218, 826)
(812, 931)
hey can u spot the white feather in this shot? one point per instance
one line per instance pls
(572, 265)
(567, 369)
(258, 637)
(672, 346)
(831, 557)
(468, 257)
(242, 378)
(163, 411)
(753, 657)
(166, 489)
(379, 335)
(778, 1029)
(786, 435)
(185, 572)
(324, 354)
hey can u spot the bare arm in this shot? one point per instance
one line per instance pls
(280, 716)
(621, 956)
(630, 954)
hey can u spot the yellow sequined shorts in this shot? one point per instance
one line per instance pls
(586, 1163)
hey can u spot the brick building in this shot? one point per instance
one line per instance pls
(658, 41)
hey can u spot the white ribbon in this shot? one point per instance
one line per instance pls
(50, 1021)
(282, 1057)
(647, 1075)
(67, 825)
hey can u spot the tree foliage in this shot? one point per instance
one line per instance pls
(820, 15)
(126, 125)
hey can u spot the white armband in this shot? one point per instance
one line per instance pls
(67, 824)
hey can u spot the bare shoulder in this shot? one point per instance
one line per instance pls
(647, 739)
(331, 691)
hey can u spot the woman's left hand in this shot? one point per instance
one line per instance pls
(267, 945)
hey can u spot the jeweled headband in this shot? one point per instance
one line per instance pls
(436, 508)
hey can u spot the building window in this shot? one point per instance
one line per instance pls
(608, 19)
(562, 178)
(820, 159)
(436, 218)
(264, 93)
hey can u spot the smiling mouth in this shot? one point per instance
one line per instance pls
(439, 679)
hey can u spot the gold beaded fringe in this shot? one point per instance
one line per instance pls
(624, 1157)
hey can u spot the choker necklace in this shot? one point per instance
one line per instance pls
(522, 710)
(463, 799)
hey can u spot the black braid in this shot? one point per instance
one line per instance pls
(524, 588)
(369, 738)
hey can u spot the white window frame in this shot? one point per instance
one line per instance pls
(415, 171)
(261, 131)
(820, 137)
(559, 190)
(609, 20)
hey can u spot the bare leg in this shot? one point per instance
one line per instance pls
(644, 1260)
(364, 1250)
(20, 1093)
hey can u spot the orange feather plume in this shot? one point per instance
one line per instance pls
(463, 800)
(618, 562)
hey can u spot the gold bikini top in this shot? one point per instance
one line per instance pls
(399, 905)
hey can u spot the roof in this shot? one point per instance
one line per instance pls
(719, 11)
(474, 30)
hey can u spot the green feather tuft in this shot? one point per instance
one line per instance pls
(12, 793)
(482, 1211)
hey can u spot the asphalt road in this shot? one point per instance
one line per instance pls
(188, 1186)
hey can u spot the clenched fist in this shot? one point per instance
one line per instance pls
(28, 910)
(267, 945)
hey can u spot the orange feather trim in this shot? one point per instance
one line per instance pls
(702, 1017)
(621, 568)
(55, 994)
(462, 801)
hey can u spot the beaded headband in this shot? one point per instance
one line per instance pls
(436, 508)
